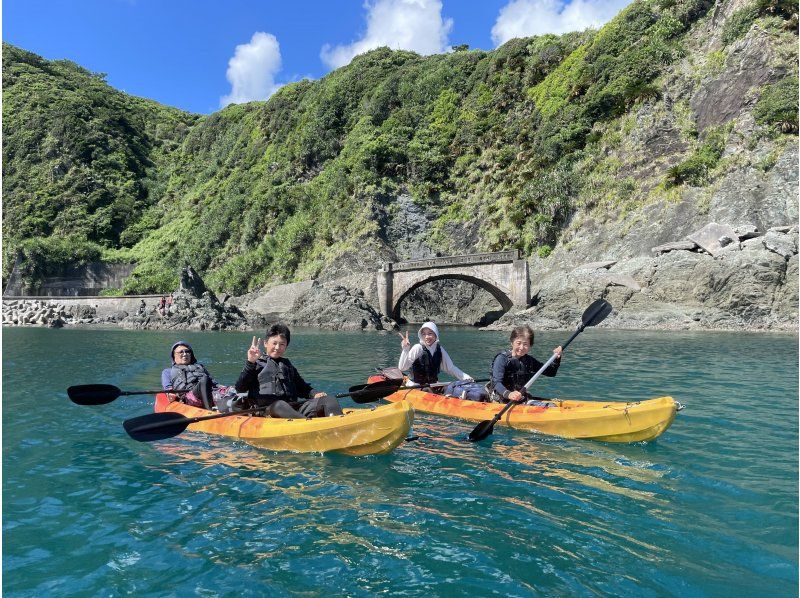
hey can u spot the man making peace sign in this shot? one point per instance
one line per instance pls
(272, 381)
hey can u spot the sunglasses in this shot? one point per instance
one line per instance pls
(184, 352)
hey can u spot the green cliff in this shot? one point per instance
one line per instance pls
(494, 149)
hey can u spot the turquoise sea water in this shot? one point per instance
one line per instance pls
(709, 509)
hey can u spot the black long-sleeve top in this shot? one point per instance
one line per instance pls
(504, 383)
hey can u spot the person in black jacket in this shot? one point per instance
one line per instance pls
(272, 382)
(511, 369)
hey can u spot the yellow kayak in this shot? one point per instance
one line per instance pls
(633, 421)
(372, 431)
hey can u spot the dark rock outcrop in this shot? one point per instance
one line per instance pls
(193, 307)
(337, 308)
(189, 313)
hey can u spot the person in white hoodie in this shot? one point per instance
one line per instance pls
(427, 358)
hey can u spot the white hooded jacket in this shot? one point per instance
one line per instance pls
(409, 356)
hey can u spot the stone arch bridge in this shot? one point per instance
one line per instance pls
(504, 274)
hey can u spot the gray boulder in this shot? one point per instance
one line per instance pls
(337, 308)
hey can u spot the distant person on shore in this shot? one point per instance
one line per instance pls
(142, 308)
(427, 358)
(512, 368)
(272, 382)
(162, 303)
(186, 374)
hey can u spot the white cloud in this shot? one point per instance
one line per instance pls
(524, 18)
(415, 25)
(252, 70)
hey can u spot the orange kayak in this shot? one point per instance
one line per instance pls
(376, 430)
(631, 421)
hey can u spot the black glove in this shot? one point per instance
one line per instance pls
(309, 408)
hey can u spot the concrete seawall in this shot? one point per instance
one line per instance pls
(275, 301)
(75, 281)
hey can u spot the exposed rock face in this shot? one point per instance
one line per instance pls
(407, 230)
(755, 287)
(750, 63)
(193, 286)
(193, 307)
(188, 312)
(337, 308)
(271, 303)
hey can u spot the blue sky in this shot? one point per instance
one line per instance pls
(199, 55)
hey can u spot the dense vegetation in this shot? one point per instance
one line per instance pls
(276, 190)
(82, 163)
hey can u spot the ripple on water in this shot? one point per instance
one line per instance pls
(708, 509)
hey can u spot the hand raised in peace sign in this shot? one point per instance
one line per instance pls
(404, 342)
(253, 353)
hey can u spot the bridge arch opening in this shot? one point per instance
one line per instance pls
(484, 309)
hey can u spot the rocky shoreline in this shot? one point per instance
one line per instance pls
(748, 283)
(717, 278)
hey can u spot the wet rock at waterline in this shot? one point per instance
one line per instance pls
(188, 312)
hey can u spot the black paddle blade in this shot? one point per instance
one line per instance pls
(481, 431)
(156, 426)
(596, 312)
(93, 394)
(355, 388)
(373, 392)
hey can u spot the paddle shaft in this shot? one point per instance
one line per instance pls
(547, 363)
(127, 393)
(456, 383)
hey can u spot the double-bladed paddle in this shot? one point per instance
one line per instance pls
(594, 314)
(100, 394)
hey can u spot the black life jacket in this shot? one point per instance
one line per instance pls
(426, 367)
(518, 370)
(275, 380)
(186, 376)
